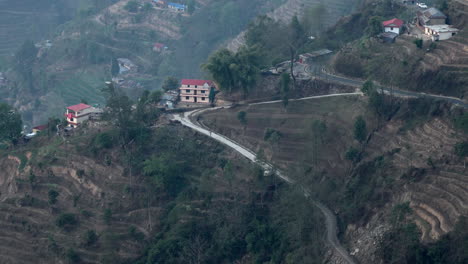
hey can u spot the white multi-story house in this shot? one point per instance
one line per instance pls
(77, 114)
(195, 91)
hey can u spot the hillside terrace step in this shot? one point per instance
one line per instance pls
(435, 231)
(461, 178)
(430, 192)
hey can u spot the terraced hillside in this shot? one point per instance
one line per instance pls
(438, 188)
(21, 20)
(335, 9)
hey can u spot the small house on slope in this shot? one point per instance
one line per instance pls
(431, 16)
(77, 114)
(177, 7)
(394, 25)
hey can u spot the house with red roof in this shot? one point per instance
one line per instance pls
(158, 47)
(394, 25)
(77, 114)
(195, 91)
(39, 128)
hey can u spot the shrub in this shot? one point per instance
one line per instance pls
(73, 256)
(90, 238)
(360, 129)
(272, 135)
(418, 43)
(131, 6)
(66, 221)
(53, 194)
(242, 117)
(104, 140)
(461, 149)
(107, 216)
(352, 155)
(461, 122)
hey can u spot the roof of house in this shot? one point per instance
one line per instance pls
(40, 128)
(158, 45)
(393, 23)
(196, 82)
(433, 13)
(78, 107)
(442, 28)
(176, 5)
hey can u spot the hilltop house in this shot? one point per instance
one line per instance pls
(431, 16)
(177, 7)
(77, 114)
(126, 66)
(195, 91)
(394, 25)
(158, 47)
(161, 3)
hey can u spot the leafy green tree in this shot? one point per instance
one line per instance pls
(374, 26)
(166, 173)
(368, 87)
(90, 238)
(297, 38)
(360, 129)
(352, 155)
(53, 194)
(67, 221)
(170, 83)
(461, 122)
(107, 216)
(73, 256)
(212, 95)
(461, 149)
(10, 124)
(242, 117)
(115, 68)
(131, 6)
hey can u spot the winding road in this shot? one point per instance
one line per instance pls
(321, 74)
(329, 217)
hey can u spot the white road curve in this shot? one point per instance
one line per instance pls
(330, 218)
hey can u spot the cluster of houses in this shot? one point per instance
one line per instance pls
(170, 5)
(431, 21)
(191, 92)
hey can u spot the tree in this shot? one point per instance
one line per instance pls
(190, 6)
(212, 95)
(360, 129)
(53, 194)
(166, 173)
(73, 256)
(352, 155)
(115, 68)
(170, 83)
(374, 26)
(131, 6)
(284, 84)
(10, 124)
(242, 117)
(418, 43)
(107, 216)
(368, 87)
(66, 221)
(297, 38)
(461, 149)
(90, 238)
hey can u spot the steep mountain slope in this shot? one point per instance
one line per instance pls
(333, 11)
(400, 163)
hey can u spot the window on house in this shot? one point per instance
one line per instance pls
(188, 91)
(196, 86)
(187, 97)
(202, 91)
(188, 85)
(391, 28)
(71, 119)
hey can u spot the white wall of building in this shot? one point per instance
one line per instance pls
(392, 29)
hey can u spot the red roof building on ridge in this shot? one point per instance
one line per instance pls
(393, 23)
(78, 107)
(196, 82)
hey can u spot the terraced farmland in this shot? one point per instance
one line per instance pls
(440, 197)
(21, 20)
